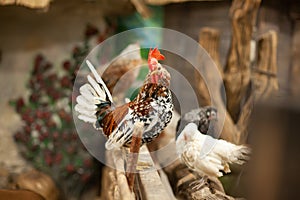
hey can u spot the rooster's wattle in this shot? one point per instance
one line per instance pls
(153, 105)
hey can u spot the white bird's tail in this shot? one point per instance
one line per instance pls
(95, 99)
(240, 154)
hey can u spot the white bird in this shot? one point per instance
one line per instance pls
(189, 146)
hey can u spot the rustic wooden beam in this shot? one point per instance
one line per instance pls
(237, 69)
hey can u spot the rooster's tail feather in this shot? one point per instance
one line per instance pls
(95, 98)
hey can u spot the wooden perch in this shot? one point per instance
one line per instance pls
(114, 182)
(150, 185)
(237, 70)
(181, 179)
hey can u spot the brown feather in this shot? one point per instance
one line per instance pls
(113, 118)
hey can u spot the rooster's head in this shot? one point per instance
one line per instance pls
(158, 74)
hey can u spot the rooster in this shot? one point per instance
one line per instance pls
(153, 105)
(216, 162)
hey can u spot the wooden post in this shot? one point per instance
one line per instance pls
(237, 70)
(264, 79)
(209, 39)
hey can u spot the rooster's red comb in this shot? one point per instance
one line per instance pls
(154, 53)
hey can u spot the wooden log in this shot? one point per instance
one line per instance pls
(39, 183)
(181, 179)
(149, 182)
(20, 195)
(237, 69)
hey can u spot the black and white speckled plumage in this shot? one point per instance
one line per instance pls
(153, 106)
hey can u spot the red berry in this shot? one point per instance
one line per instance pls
(70, 168)
(20, 104)
(70, 150)
(27, 129)
(46, 114)
(87, 162)
(85, 177)
(65, 82)
(67, 65)
(38, 127)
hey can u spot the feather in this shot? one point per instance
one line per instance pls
(84, 103)
(87, 91)
(85, 111)
(99, 92)
(99, 79)
(87, 119)
(121, 133)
